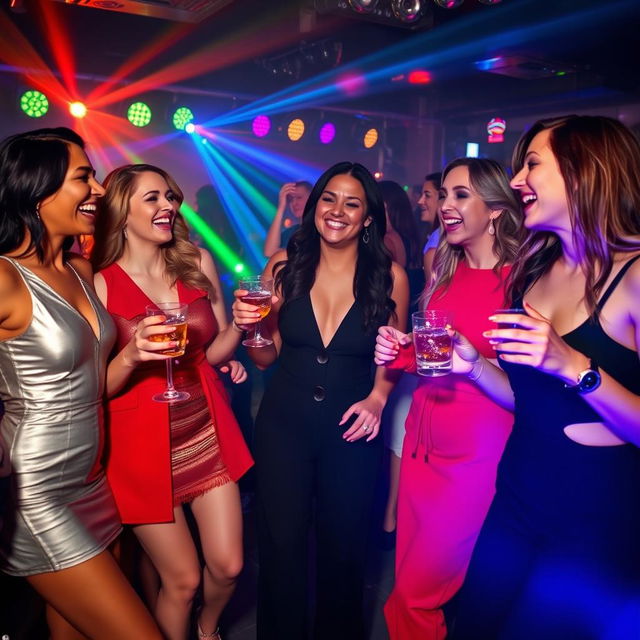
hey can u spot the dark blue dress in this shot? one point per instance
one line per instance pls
(559, 553)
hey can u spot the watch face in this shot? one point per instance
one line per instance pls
(589, 381)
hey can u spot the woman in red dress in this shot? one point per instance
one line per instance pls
(161, 456)
(455, 434)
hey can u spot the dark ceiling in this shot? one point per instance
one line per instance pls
(587, 49)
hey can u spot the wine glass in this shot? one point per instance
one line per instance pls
(175, 315)
(259, 291)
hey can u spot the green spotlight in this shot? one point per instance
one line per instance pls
(139, 114)
(239, 268)
(34, 103)
(182, 116)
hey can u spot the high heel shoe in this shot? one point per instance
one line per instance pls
(214, 635)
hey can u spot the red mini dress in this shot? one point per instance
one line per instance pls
(161, 455)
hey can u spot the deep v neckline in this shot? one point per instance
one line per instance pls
(142, 291)
(97, 335)
(335, 333)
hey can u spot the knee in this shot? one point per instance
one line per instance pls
(226, 570)
(182, 586)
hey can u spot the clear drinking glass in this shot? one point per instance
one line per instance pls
(175, 315)
(508, 325)
(432, 343)
(259, 292)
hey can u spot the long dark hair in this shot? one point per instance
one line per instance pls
(402, 220)
(33, 166)
(601, 158)
(372, 284)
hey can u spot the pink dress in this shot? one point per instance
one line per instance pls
(454, 438)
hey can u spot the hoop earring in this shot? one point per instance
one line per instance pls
(365, 235)
(491, 229)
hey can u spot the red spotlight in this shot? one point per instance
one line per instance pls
(419, 76)
(77, 109)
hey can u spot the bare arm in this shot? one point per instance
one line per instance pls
(427, 262)
(226, 342)
(138, 349)
(272, 241)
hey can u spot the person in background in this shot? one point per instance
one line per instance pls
(55, 337)
(398, 208)
(428, 203)
(455, 433)
(163, 456)
(558, 555)
(316, 432)
(293, 196)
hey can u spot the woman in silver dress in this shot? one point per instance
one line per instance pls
(54, 341)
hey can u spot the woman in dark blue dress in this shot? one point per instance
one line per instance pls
(559, 554)
(315, 443)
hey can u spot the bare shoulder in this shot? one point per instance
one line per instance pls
(82, 266)
(207, 264)
(15, 301)
(631, 280)
(399, 275)
(11, 282)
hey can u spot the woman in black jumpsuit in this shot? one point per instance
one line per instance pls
(315, 443)
(559, 554)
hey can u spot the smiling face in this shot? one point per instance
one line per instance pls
(341, 211)
(297, 200)
(152, 209)
(428, 202)
(542, 188)
(463, 213)
(71, 210)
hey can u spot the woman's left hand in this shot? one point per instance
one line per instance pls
(367, 424)
(537, 344)
(236, 371)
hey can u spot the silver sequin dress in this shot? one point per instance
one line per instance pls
(60, 511)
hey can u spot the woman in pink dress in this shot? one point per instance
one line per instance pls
(454, 434)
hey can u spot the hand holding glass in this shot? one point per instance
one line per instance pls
(432, 342)
(259, 291)
(176, 316)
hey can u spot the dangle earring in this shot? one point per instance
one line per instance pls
(365, 235)
(38, 212)
(124, 232)
(491, 229)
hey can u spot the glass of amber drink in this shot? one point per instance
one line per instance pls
(175, 314)
(432, 342)
(259, 291)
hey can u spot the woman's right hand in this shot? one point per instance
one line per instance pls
(246, 315)
(388, 344)
(141, 349)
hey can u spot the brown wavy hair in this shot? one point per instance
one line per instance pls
(601, 157)
(490, 182)
(181, 256)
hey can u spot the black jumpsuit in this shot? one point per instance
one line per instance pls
(302, 460)
(559, 553)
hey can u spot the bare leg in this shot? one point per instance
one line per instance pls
(172, 551)
(219, 517)
(389, 523)
(96, 601)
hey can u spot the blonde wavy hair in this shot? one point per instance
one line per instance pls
(181, 256)
(490, 182)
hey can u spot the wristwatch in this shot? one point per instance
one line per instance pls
(588, 380)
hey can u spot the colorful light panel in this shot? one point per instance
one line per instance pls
(261, 126)
(34, 103)
(295, 130)
(139, 114)
(327, 132)
(370, 138)
(182, 116)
